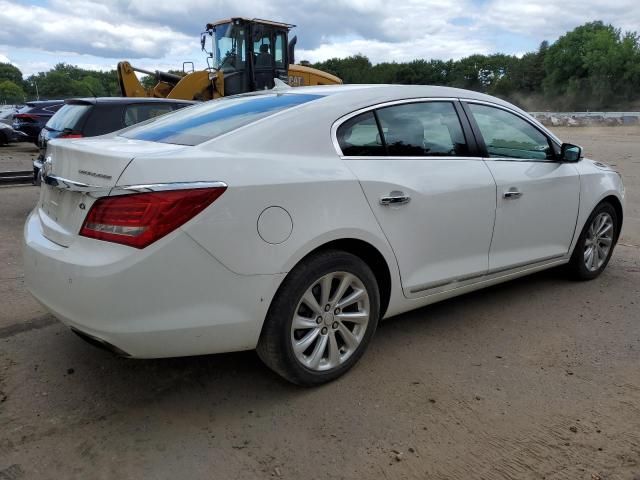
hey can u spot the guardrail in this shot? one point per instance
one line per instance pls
(20, 177)
(585, 119)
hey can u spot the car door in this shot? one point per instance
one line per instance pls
(434, 200)
(537, 195)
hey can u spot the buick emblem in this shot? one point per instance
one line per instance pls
(47, 167)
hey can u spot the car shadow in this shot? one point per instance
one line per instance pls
(95, 384)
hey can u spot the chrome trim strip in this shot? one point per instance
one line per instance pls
(162, 187)
(526, 117)
(66, 184)
(466, 280)
(98, 191)
(448, 281)
(426, 157)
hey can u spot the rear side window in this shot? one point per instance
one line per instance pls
(422, 129)
(359, 136)
(195, 125)
(508, 136)
(53, 108)
(137, 113)
(68, 117)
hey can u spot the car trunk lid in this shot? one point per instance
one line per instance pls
(76, 172)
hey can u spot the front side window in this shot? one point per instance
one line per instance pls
(228, 47)
(279, 50)
(359, 136)
(195, 125)
(422, 129)
(508, 136)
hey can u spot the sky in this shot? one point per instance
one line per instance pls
(161, 34)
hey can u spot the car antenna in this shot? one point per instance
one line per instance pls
(280, 85)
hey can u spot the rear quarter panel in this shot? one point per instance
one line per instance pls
(270, 164)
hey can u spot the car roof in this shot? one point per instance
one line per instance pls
(125, 100)
(356, 96)
(394, 92)
(43, 103)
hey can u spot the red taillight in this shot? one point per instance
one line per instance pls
(71, 135)
(140, 219)
(25, 116)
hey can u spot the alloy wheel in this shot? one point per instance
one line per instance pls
(598, 241)
(330, 321)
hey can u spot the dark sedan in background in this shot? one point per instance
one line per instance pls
(90, 117)
(33, 116)
(8, 135)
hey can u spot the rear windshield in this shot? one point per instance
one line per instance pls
(67, 117)
(195, 125)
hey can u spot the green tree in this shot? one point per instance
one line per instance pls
(10, 92)
(11, 73)
(593, 66)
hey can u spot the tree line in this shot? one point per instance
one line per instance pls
(593, 67)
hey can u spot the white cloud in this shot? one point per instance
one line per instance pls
(162, 33)
(551, 18)
(85, 27)
(445, 46)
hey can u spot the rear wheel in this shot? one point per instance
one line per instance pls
(595, 244)
(4, 140)
(322, 318)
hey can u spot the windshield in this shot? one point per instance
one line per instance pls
(197, 124)
(228, 47)
(67, 117)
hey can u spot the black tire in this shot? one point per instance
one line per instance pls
(4, 140)
(275, 344)
(577, 267)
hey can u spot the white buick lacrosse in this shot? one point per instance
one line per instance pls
(293, 220)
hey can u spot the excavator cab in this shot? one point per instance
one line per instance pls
(243, 55)
(251, 54)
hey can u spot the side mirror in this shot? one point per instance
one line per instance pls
(570, 153)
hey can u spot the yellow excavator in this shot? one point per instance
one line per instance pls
(243, 55)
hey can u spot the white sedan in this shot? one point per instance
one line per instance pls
(292, 220)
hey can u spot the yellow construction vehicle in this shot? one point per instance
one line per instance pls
(243, 55)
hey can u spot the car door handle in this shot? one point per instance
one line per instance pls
(512, 194)
(395, 198)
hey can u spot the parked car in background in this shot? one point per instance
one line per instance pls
(90, 117)
(7, 112)
(293, 221)
(8, 134)
(31, 118)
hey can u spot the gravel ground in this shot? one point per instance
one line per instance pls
(17, 156)
(536, 378)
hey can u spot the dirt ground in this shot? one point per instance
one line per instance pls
(537, 378)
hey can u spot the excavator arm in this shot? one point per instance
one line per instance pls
(200, 85)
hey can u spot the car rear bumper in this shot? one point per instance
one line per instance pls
(170, 299)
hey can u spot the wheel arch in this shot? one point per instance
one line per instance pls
(617, 206)
(369, 254)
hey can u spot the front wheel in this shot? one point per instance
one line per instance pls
(595, 244)
(322, 318)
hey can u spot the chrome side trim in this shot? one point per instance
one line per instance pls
(162, 187)
(467, 280)
(526, 117)
(425, 157)
(447, 282)
(66, 184)
(98, 191)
